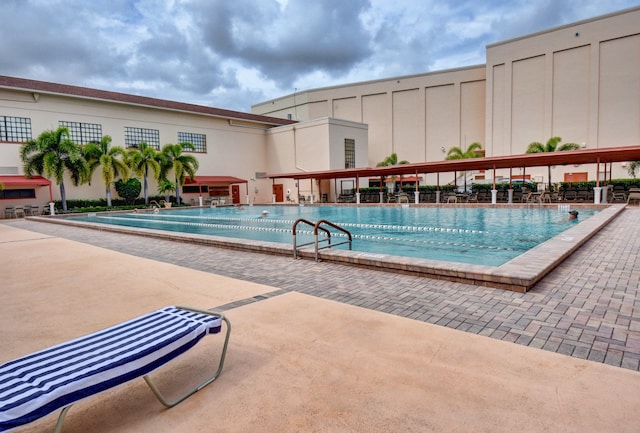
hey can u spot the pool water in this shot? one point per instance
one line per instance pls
(487, 236)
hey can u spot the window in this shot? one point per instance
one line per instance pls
(194, 189)
(15, 129)
(18, 193)
(198, 140)
(349, 153)
(134, 136)
(83, 133)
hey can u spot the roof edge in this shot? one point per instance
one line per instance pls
(25, 84)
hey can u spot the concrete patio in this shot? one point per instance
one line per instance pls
(296, 362)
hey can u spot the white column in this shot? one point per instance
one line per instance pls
(494, 196)
(597, 194)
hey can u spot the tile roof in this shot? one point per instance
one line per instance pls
(85, 92)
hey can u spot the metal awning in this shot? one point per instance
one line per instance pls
(13, 181)
(214, 180)
(583, 156)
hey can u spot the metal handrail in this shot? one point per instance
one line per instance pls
(335, 226)
(316, 227)
(293, 231)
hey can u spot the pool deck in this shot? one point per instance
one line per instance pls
(329, 347)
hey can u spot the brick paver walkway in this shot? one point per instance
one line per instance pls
(588, 307)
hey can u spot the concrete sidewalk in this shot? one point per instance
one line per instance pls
(296, 362)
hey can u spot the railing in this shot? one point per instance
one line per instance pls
(316, 241)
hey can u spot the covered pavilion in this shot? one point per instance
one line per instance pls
(603, 158)
(218, 186)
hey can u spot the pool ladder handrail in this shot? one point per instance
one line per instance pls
(316, 227)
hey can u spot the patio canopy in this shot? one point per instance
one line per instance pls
(214, 180)
(12, 181)
(583, 156)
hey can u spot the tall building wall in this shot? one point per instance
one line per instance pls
(397, 111)
(579, 81)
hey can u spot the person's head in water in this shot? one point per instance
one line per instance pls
(573, 214)
(264, 214)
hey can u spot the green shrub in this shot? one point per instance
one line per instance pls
(129, 190)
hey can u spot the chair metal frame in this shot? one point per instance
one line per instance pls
(171, 403)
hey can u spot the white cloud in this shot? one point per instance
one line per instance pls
(235, 54)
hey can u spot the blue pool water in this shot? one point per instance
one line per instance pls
(488, 236)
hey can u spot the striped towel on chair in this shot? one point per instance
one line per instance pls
(43, 382)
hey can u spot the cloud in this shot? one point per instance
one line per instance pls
(286, 40)
(235, 54)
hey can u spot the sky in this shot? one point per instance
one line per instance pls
(233, 54)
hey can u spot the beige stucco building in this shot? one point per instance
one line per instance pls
(234, 150)
(580, 81)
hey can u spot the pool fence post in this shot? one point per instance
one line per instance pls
(510, 195)
(416, 197)
(273, 198)
(200, 201)
(357, 198)
(438, 197)
(52, 209)
(494, 196)
(597, 194)
(381, 197)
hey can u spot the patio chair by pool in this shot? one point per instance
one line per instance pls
(55, 378)
(634, 195)
(10, 212)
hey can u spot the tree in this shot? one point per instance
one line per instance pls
(106, 156)
(166, 187)
(551, 146)
(472, 152)
(129, 190)
(182, 165)
(141, 160)
(51, 155)
(632, 168)
(389, 161)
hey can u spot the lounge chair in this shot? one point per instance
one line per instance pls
(10, 212)
(55, 378)
(634, 195)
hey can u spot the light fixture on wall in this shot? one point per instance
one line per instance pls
(443, 149)
(583, 145)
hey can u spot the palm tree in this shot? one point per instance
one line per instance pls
(51, 155)
(182, 165)
(106, 156)
(473, 151)
(551, 146)
(142, 159)
(632, 168)
(389, 161)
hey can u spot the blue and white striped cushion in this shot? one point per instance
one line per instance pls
(38, 384)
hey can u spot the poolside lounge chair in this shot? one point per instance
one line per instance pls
(634, 195)
(473, 197)
(55, 378)
(10, 212)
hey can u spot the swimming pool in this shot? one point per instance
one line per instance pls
(473, 235)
